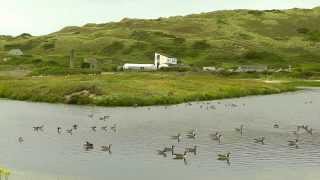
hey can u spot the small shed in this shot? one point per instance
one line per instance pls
(209, 68)
(252, 68)
(15, 52)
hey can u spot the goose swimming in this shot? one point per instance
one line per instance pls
(105, 128)
(177, 137)
(180, 156)
(168, 149)
(69, 131)
(293, 143)
(260, 140)
(162, 153)
(240, 129)
(114, 128)
(106, 148)
(224, 157)
(75, 126)
(59, 129)
(94, 128)
(216, 137)
(192, 150)
(88, 146)
(20, 139)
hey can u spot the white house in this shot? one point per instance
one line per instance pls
(161, 60)
(15, 52)
(144, 67)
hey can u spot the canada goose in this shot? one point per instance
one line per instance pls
(193, 132)
(178, 137)
(59, 129)
(69, 131)
(162, 153)
(20, 139)
(94, 128)
(105, 128)
(191, 136)
(224, 157)
(88, 146)
(240, 129)
(300, 127)
(75, 126)
(192, 150)
(114, 128)
(259, 140)
(37, 128)
(309, 131)
(305, 127)
(104, 118)
(180, 156)
(276, 126)
(168, 149)
(293, 143)
(216, 137)
(106, 148)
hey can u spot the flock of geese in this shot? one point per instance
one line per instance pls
(217, 136)
(87, 145)
(191, 134)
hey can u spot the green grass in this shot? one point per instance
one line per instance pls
(130, 88)
(222, 38)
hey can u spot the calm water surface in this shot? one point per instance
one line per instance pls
(143, 131)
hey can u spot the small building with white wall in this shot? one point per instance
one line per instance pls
(210, 68)
(162, 61)
(15, 52)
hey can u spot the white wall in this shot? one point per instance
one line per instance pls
(161, 59)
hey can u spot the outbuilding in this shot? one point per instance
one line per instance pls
(15, 52)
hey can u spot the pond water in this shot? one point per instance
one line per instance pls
(142, 131)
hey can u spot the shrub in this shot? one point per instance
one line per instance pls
(48, 46)
(201, 45)
(256, 12)
(314, 36)
(114, 47)
(303, 30)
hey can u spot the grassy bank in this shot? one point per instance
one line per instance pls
(129, 89)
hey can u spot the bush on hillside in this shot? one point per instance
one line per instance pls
(114, 47)
(201, 45)
(303, 30)
(314, 36)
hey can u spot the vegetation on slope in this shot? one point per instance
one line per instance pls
(222, 38)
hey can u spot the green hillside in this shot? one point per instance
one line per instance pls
(222, 38)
